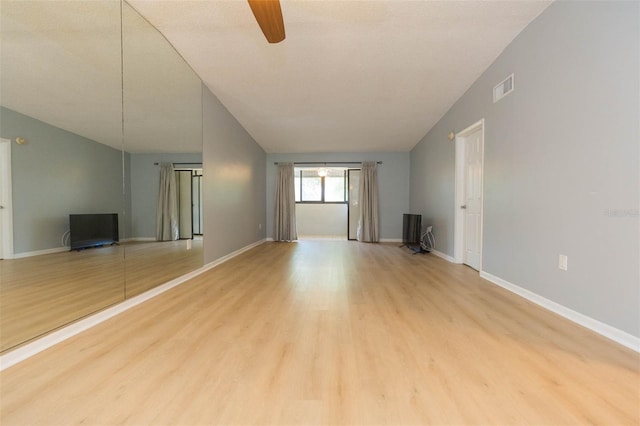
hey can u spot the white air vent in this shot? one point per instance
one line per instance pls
(503, 88)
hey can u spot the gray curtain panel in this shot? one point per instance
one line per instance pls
(368, 199)
(285, 205)
(167, 208)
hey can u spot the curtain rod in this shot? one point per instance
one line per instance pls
(155, 164)
(324, 163)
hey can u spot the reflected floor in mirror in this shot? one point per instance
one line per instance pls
(151, 263)
(41, 293)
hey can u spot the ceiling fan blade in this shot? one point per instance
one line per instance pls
(269, 17)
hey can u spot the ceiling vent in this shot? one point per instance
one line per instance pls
(503, 88)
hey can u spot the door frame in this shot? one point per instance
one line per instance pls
(176, 172)
(7, 222)
(458, 229)
(198, 178)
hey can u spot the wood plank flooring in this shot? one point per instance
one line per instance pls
(329, 332)
(41, 293)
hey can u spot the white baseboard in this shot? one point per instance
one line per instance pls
(382, 240)
(444, 256)
(23, 352)
(619, 336)
(323, 237)
(39, 252)
(66, 248)
(230, 256)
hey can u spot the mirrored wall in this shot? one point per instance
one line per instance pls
(165, 128)
(93, 100)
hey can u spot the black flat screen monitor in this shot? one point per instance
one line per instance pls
(93, 230)
(411, 226)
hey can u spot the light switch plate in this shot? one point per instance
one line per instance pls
(562, 262)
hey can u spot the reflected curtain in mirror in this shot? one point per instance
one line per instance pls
(167, 210)
(368, 199)
(285, 205)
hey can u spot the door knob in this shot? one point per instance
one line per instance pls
(463, 207)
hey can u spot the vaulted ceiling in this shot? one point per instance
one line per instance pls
(350, 75)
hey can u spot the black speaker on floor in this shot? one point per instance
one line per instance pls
(411, 227)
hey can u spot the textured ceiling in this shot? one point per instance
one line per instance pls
(351, 75)
(61, 63)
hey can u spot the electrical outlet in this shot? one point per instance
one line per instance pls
(562, 262)
(259, 226)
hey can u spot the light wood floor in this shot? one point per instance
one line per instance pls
(149, 264)
(329, 332)
(41, 293)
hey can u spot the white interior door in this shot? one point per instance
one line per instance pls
(472, 199)
(6, 218)
(353, 176)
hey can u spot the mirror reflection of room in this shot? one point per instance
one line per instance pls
(173, 237)
(61, 121)
(162, 126)
(84, 116)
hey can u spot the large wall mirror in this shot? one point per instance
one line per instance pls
(92, 97)
(160, 131)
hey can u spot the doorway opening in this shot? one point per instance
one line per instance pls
(189, 197)
(469, 172)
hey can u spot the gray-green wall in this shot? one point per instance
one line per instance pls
(234, 189)
(561, 161)
(54, 174)
(393, 184)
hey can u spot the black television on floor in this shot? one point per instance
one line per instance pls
(411, 227)
(93, 230)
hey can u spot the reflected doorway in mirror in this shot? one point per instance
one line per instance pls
(6, 209)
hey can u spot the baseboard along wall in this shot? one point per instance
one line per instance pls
(612, 333)
(12, 357)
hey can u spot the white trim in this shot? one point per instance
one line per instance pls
(323, 237)
(231, 255)
(458, 227)
(390, 240)
(40, 252)
(67, 248)
(617, 335)
(444, 256)
(382, 240)
(7, 231)
(23, 352)
(458, 214)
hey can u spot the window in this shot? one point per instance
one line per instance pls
(313, 188)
